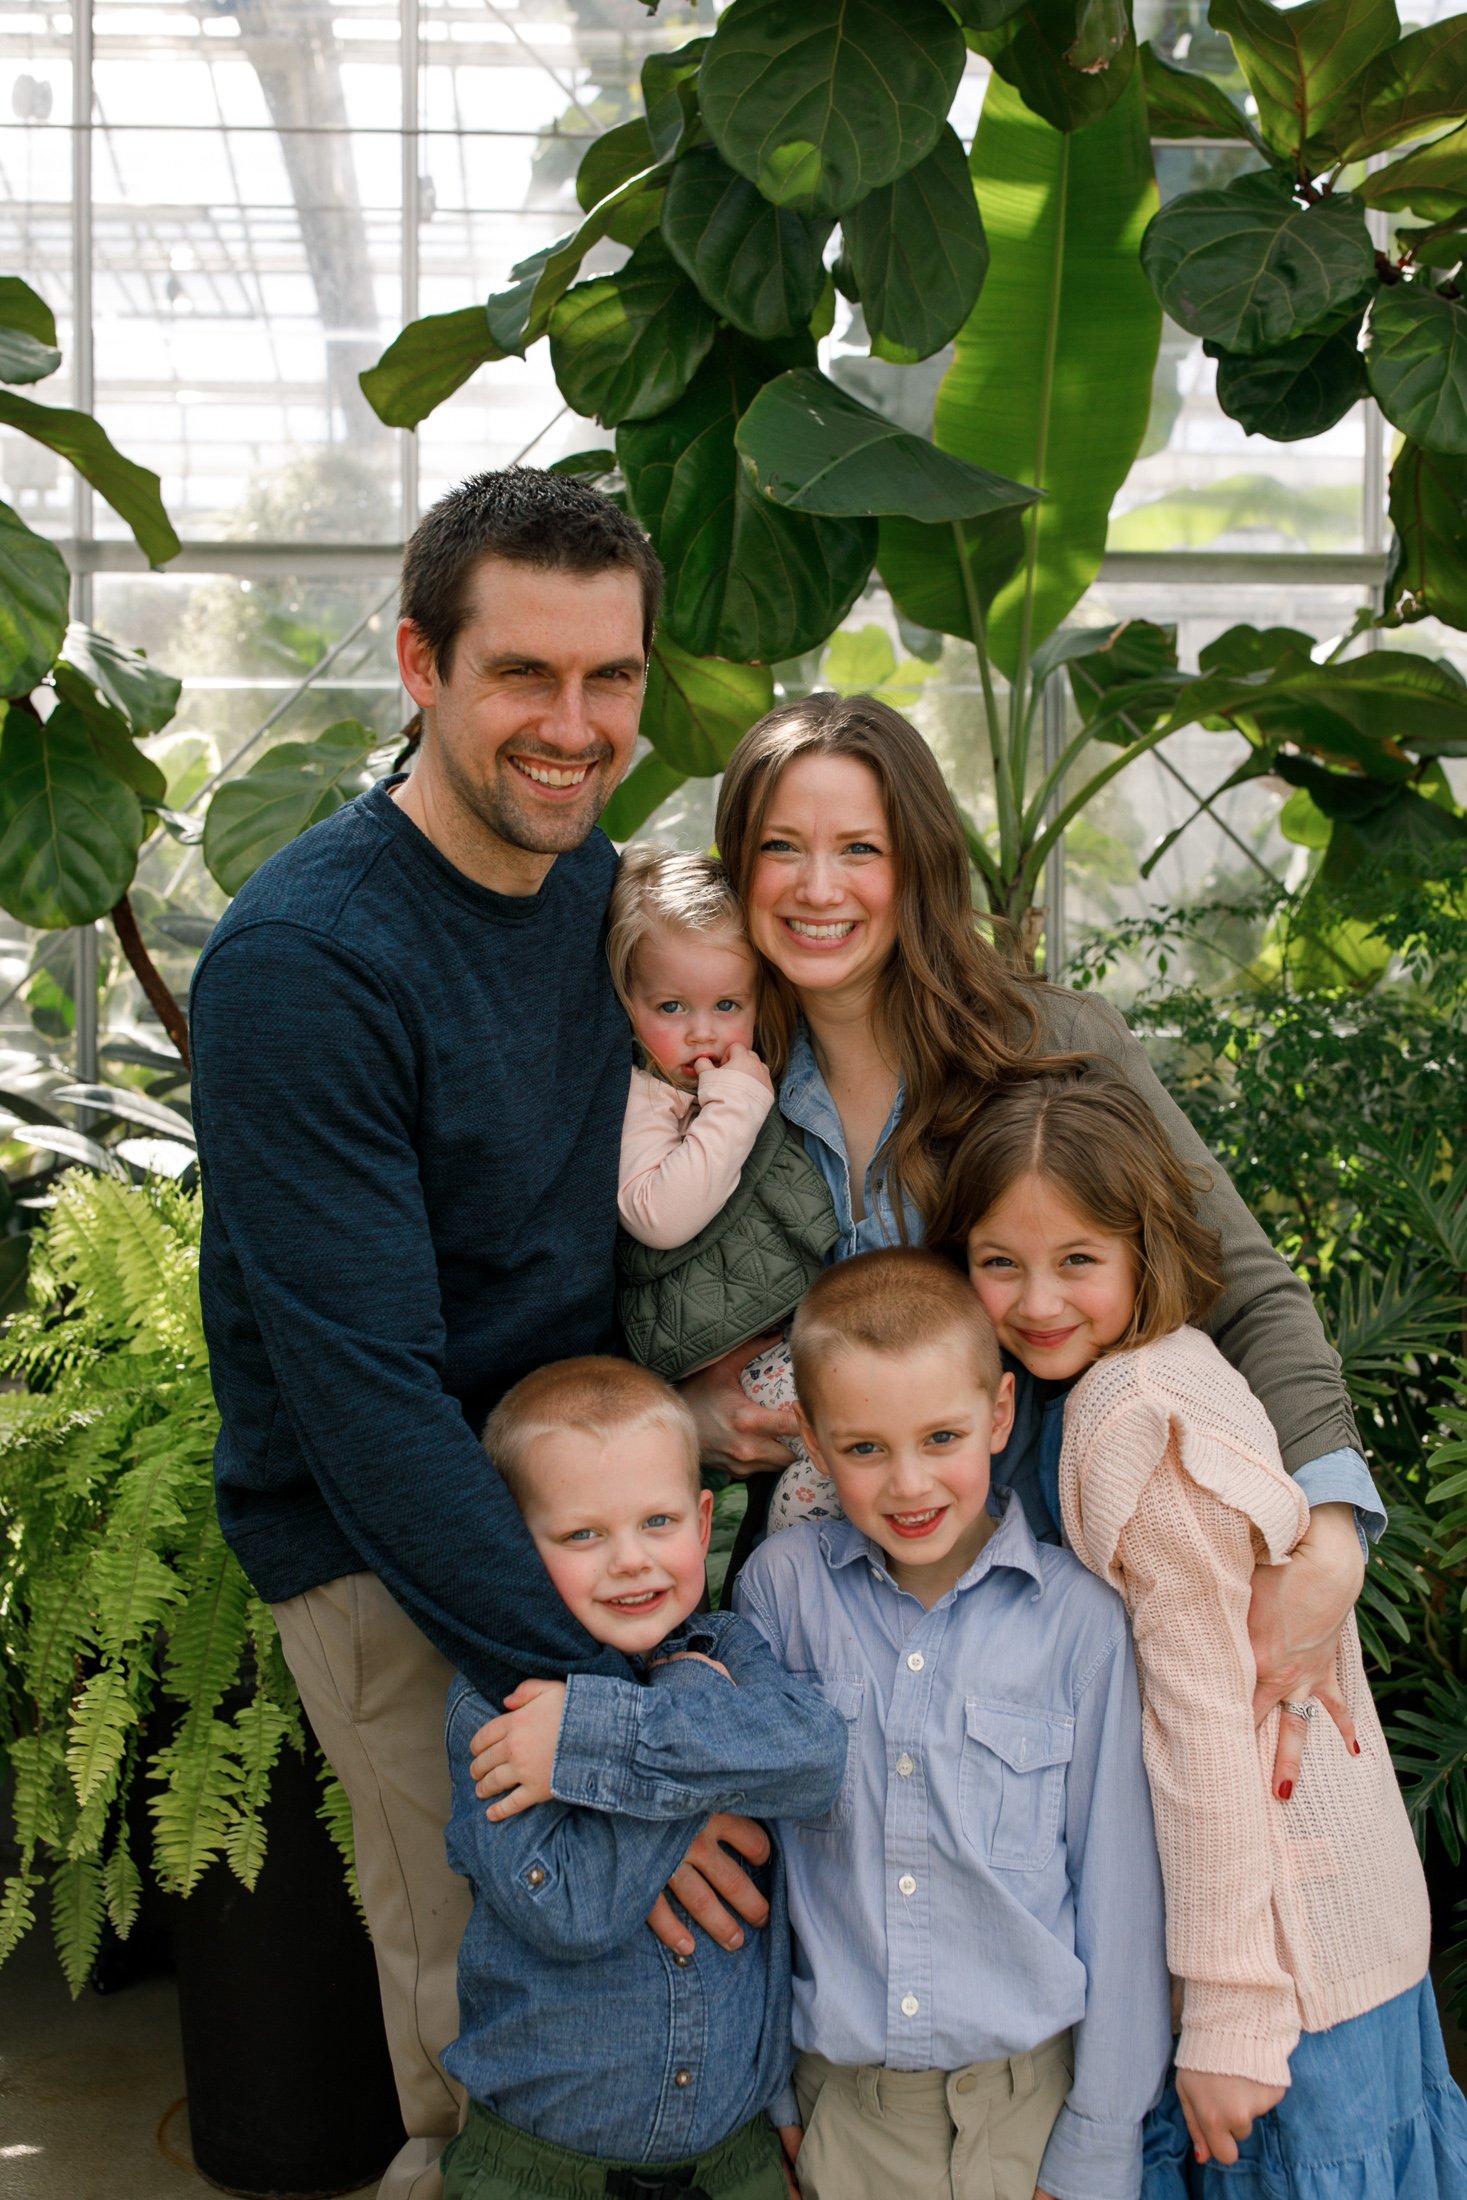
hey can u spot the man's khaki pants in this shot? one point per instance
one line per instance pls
(972, 2134)
(374, 1690)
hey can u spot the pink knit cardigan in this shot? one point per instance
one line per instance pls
(1281, 1917)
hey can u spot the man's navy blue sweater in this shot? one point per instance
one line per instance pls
(409, 1093)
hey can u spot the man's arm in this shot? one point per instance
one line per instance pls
(1121, 2043)
(306, 1101)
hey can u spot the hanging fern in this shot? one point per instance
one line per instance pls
(131, 1645)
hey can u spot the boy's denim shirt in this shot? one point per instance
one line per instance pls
(576, 2024)
(988, 1877)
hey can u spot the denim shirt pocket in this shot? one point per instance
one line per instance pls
(1011, 1785)
(845, 1693)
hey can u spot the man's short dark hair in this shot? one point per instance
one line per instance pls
(527, 517)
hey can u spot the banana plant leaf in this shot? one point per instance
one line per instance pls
(70, 830)
(1417, 363)
(820, 104)
(626, 345)
(939, 576)
(1051, 375)
(758, 265)
(28, 350)
(917, 254)
(1250, 268)
(1299, 62)
(35, 593)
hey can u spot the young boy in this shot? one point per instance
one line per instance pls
(981, 1997)
(597, 2061)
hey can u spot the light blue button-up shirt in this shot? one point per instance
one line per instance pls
(1339, 1477)
(988, 1875)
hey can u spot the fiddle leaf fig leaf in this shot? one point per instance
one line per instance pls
(918, 255)
(1298, 390)
(822, 103)
(670, 97)
(1182, 104)
(1249, 268)
(290, 787)
(646, 787)
(1417, 363)
(698, 709)
(131, 490)
(142, 696)
(1036, 51)
(1431, 182)
(628, 344)
(1413, 87)
(813, 448)
(1428, 509)
(35, 592)
(518, 316)
(936, 573)
(425, 364)
(610, 161)
(70, 829)
(757, 265)
(746, 579)
(1102, 33)
(1299, 61)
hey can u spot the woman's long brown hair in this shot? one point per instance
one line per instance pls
(956, 1021)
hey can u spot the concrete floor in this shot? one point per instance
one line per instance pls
(91, 2091)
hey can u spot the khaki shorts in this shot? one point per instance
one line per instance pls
(972, 2134)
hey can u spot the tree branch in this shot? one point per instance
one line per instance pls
(145, 970)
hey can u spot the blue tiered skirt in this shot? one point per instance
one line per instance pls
(1372, 2113)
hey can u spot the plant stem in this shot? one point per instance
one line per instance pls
(149, 977)
(1018, 696)
(1008, 822)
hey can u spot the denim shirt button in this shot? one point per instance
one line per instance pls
(535, 1877)
(682, 1962)
(682, 2077)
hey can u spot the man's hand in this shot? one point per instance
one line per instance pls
(732, 1431)
(706, 1879)
(514, 1755)
(1294, 1625)
(790, 2138)
(1220, 2111)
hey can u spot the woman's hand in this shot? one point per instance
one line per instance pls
(707, 1879)
(1220, 2111)
(1294, 1625)
(790, 2138)
(733, 1432)
(514, 1755)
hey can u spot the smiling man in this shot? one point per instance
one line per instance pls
(411, 1070)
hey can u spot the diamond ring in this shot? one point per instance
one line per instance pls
(1304, 1711)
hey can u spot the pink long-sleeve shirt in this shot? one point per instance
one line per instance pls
(680, 1162)
(1281, 1917)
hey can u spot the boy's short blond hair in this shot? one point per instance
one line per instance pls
(668, 890)
(893, 1302)
(599, 1397)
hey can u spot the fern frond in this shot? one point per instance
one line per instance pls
(17, 1911)
(207, 1635)
(77, 1905)
(102, 1718)
(193, 1815)
(260, 1728)
(39, 1764)
(56, 1639)
(334, 1812)
(122, 1886)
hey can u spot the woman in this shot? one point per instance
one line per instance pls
(892, 1019)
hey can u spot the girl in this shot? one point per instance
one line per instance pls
(726, 1220)
(1310, 2060)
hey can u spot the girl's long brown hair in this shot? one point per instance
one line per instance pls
(957, 1022)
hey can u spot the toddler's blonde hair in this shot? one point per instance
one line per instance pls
(667, 890)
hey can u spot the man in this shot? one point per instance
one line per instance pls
(411, 1070)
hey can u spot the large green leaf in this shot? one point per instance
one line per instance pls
(1428, 507)
(1299, 390)
(1372, 712)
(758, 265)
(1412, 88)
(918, 254)
(821, 103)
(287, 789)
(1051, 376)
(646, 787)
(112, 744)
(1249, 267)
(69, 829)
(934, 574)
(521, 314)
(698, 709)
(1417, 364)
(142, 696)
(628, 344)
(1299, 61)
(610, 161)
(35, 591)
(1040, 51)
(1182, 104)
(28, 350)
(746, 580)
(1431, 182)
(670, 96)
(131, 490)
(425, 364)
(813, 448)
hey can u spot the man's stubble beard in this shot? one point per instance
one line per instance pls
(496, 807)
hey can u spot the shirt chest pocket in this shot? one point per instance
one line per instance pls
(1011, 1786)
(844, 1692)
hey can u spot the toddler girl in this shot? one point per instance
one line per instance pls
(725, 1217)
(1310, 2059)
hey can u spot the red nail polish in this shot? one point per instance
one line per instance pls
(1198, 2155)
(1286, 1789)
(1355, 1746)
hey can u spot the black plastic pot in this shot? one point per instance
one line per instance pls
(290, 2087)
